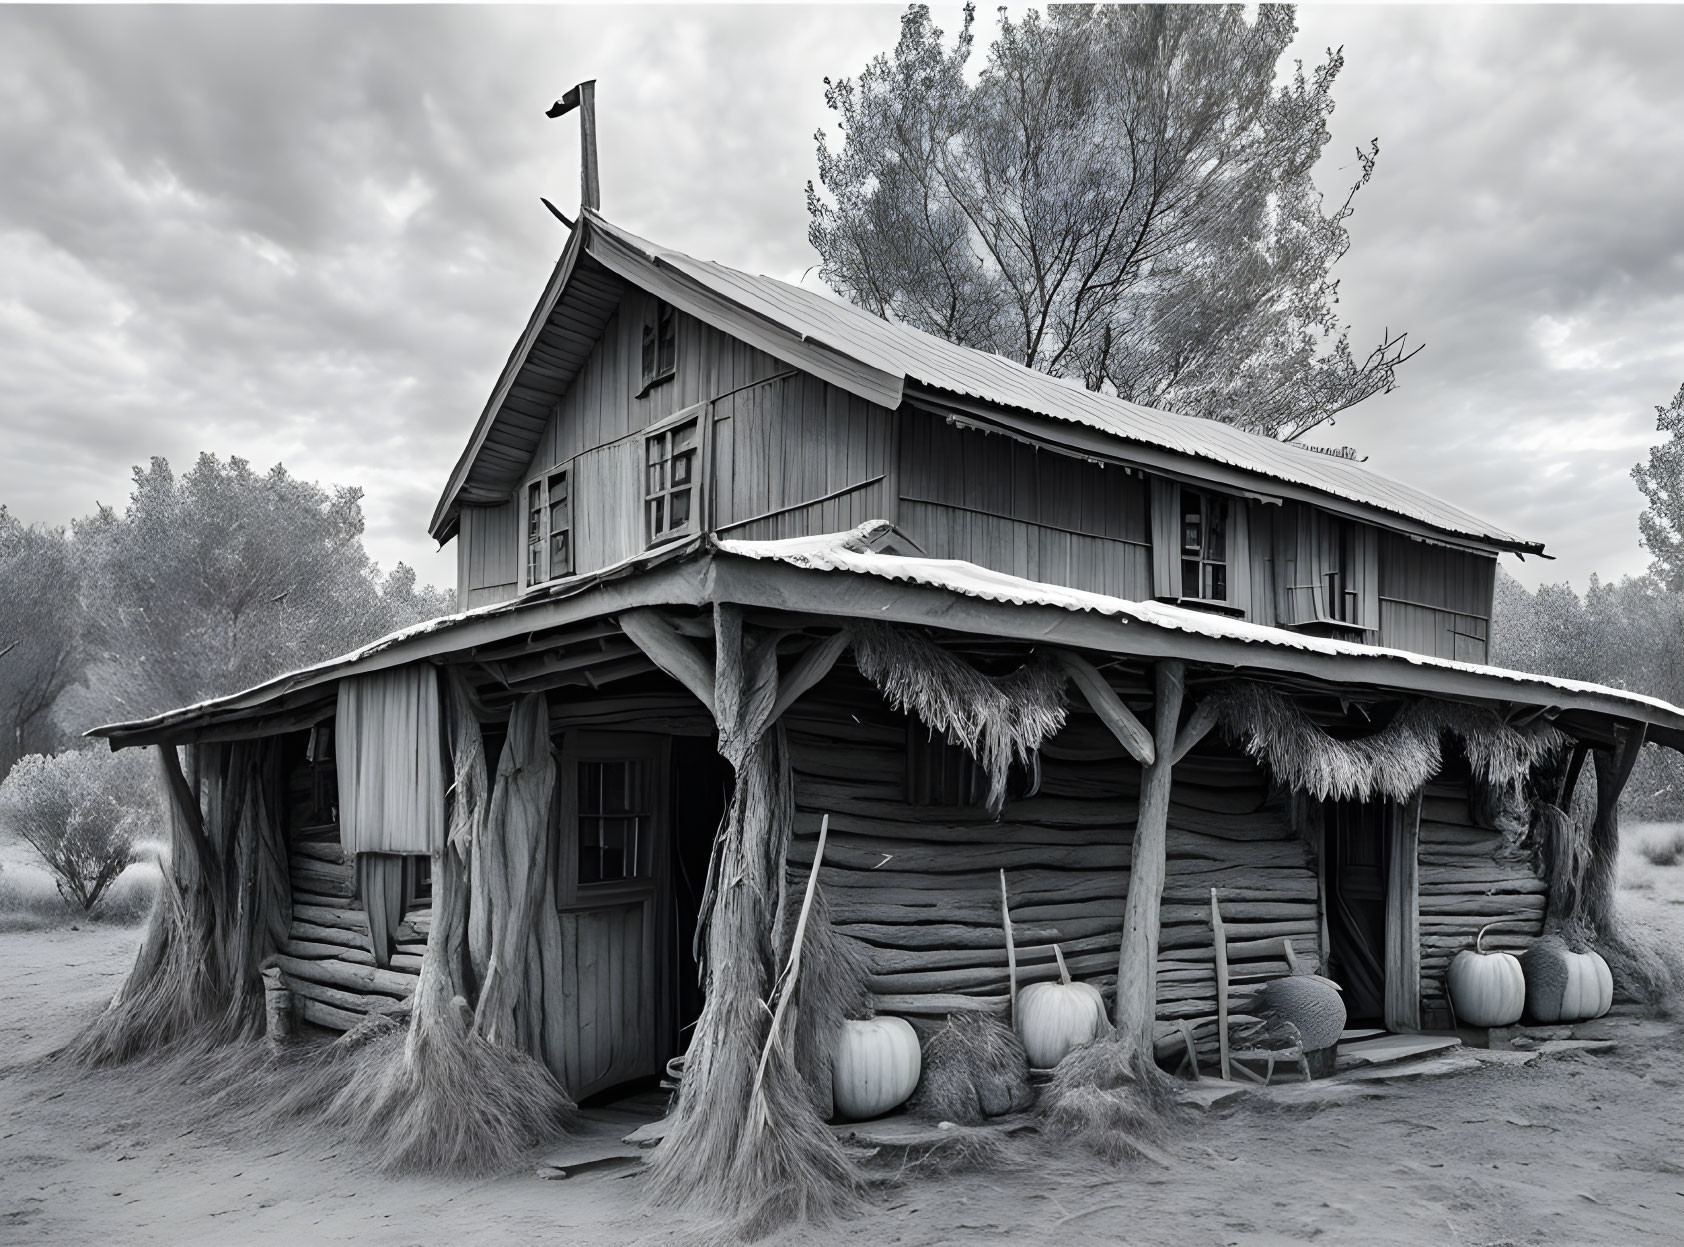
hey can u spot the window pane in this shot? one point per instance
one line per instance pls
(684, 437)
(559, 566)
(667, 351)
(657, 478)
(648, 352)
(534, 564)
(1191, 534)
(1190, 586)
(657, 516)
(657, 448)
(1216, 530)
(1216, 582)
(558, 488)
(534, 511)
(681, 465)
(680, 508)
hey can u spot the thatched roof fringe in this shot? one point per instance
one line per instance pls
(999, 719)
(1395, 761)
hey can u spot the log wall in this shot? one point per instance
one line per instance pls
(1468, 879)
(921, 886)
(326, 959)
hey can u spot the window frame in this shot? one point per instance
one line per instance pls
(659, 329)
(537, 566)
(1202, 559)
(648, 751)
(699, 471)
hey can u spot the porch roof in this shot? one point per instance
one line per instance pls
(850, 575)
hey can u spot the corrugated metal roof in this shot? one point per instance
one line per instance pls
(902, 351)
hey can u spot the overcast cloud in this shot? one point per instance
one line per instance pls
(312, 235)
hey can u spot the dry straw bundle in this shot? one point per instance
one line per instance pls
(998, 719)
(1395, 761)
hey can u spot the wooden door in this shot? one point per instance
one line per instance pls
(612, 888)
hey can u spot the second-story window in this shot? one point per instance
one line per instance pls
(1204, 546)
(660, 341)
(535, 532)
(549, 528)
(669, 483)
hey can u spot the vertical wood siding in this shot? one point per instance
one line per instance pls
(1435, 600)
(1004, 505)
(796, 440)
(487, 555)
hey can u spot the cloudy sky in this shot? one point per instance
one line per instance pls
(312, 235)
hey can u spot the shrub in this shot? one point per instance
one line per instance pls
(82, 811)
(1667, 852)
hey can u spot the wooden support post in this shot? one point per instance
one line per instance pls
(1137, 963)
(1219, 938)
(672, 652)
(1197, 728)
(582, 97)
(1403, 918)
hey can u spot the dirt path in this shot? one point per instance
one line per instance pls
(1573, 1150)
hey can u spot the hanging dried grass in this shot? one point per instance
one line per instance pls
(998, 719)
(1395, 761)
(752, 1174)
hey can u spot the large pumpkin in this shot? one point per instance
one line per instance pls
(1311, 1003)
(1565, 986)
(875, 1068)
(1054, 1018)
(1487, 989)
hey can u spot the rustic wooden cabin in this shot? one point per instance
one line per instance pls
(734, 558)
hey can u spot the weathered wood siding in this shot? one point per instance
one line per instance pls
(487, 555)
(326, 958)
(1469, 878)
(1435, 600)
(920, 885)
(1005, 505)
(794, 456)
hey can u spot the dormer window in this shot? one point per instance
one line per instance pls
(660, 341)
(1204, 546)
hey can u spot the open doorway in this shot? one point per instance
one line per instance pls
(700, 788)
(1356, 849)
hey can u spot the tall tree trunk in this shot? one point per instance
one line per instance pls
(1137, 966)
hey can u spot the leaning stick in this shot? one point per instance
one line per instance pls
(1011, 947)
(1219, 937)
(785, 986)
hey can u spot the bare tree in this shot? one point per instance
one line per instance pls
(1121, 196)
(40, 655)
(224, 577)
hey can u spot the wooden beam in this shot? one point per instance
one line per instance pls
(1137, 962)
(671, 652)
(1194, 730)
(1128, 729)
(1403, 917)
(808, 670)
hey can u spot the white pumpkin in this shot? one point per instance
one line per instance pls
(1054, 1018)
(1486, 989)
(875, 1066)
(1565, 986)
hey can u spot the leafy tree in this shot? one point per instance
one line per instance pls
(1662, 483)
(82, 811)
(39, 633)
(1122, 196)
(222, 578)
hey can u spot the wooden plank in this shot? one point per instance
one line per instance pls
(1219, 945)
(1403, 919)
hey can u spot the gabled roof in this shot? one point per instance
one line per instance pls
(886, 363)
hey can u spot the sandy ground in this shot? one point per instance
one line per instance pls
(1573, 1150)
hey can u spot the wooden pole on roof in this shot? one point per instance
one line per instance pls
(583, 97)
